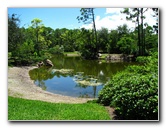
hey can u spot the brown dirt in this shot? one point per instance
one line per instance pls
(20, 85)
(111, 112)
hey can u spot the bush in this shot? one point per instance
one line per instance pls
(57, 50)
(134, 92)
(10, 59)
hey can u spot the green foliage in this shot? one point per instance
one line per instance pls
(40, 74)
(14, 32)
(90, 47)
(10, 59)
(22, 109)
(87, 45)
(103, 39)
(57, 50)
(28, 45)
(68, 38)
(134, 92)
(127, 45)
(146, 40)
(112, 44)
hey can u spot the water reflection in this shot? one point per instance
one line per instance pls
(74, 76)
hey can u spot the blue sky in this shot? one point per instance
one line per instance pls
(109, 18)
(52, 17)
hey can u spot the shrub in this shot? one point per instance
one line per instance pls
(134, 92)
(57, 50)
(10, 59)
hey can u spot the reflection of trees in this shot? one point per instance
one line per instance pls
(100, 73)
(62, 74)
(94, 90)
(88, 66)
(42, 85)
(86, 95)
(42, 73)
(45, 73)
(39, 75)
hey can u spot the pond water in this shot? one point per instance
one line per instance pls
(76, 77)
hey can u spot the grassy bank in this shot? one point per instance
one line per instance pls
(72, 54)
(22, 109)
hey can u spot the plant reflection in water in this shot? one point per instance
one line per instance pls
(74, 76)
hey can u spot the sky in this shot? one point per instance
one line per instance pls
(55, 18)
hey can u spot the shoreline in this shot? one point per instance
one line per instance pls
(20, 85)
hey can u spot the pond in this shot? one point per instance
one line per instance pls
(76, 77)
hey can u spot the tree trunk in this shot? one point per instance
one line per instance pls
(142, 33)
(139, 48)
(94, 27)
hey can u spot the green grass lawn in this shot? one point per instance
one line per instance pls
(22, 109)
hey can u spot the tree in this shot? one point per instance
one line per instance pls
(37, 25)
(14, 33)
(155, 10)
(151, 40)
(126, 42)
(135, 15)
(103, 39)
(87, 16)
(47, 33)
(68, 40)
(56, 40)
(123, 30)
(25, 52)
(126, 45)
(15, 39)
(86, 44)
(112, 44)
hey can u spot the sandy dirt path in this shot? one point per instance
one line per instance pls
(20, 85)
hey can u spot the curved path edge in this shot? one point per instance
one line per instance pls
(20, 85)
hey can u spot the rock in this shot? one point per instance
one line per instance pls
(99, 54)
(108, 57)
(40, 64)
(114, 57)
(49, 63)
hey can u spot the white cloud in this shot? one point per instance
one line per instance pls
(114, 18)
(113, 10)
(149, 17)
